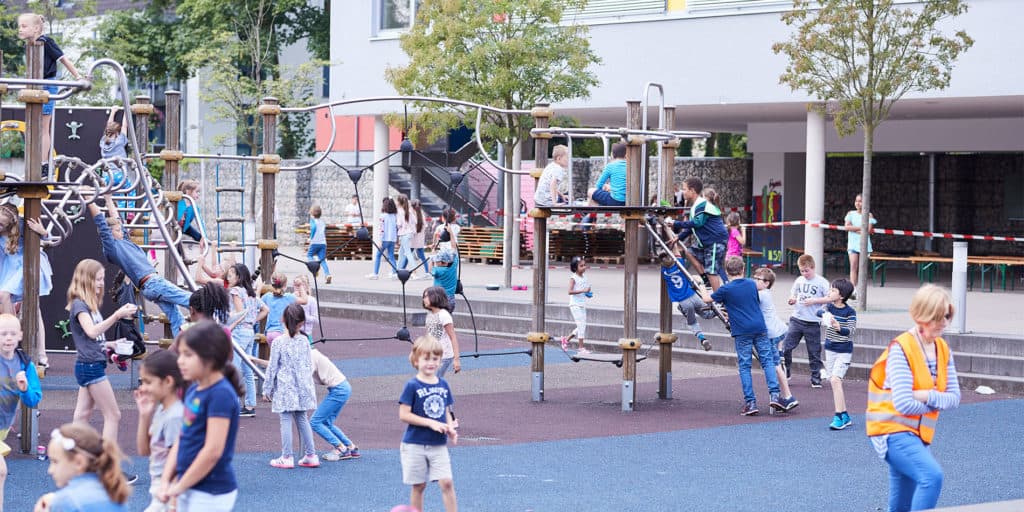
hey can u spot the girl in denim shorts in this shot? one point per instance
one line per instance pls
(85, 295)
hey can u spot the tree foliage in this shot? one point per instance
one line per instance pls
(860, 57)
(505, 53)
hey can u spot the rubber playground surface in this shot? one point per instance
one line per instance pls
(577, 450)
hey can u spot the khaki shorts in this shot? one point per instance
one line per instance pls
(422, 463)
(836, 364)
(5, 450)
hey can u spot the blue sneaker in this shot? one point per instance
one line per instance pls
(749, 409)
(846, 419)
(837, 422)
(789, 403)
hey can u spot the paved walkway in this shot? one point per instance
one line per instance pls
(996, 312)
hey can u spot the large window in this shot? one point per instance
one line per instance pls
(397, 14)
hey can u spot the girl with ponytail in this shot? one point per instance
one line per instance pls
(87, 468)
(198, 475)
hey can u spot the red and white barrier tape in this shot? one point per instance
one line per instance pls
(884, 231)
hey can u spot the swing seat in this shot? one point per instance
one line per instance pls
(615, 359)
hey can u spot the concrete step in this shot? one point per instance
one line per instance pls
(1001, 372)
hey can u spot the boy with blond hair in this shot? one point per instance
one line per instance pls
(808, 294)
(18, 382)
(425, 405)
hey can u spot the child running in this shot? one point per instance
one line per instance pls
(739, 295)
(289, 387)
(326, 373)
(160, 416)
(276, 300)
(737, 239)
(680, 291)
(840, 322)
(85, 296)
(425, 405)
(442, 328)
(245, 309)
(764, 278)
(87, 468)
(579, 292)
(318, 239)
(809, 293)
(198, 475)
(19, 382)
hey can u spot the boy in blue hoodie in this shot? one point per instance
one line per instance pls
(446, 274)
(18, 382)
(707, 228)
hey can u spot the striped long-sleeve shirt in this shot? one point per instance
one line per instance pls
(841, 340)
(900, 380)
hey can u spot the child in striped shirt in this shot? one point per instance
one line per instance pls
(840, 321)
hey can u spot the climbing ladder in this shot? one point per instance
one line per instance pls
(221, 219)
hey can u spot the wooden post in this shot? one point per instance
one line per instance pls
(269, 166)
(34, 99)
(634, 155)
(629, 347)
(665, 337)
(538, 337)
(171, 155)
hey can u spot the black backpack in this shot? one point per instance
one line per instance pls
(127, 328)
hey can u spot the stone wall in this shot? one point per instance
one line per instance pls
(295, 193)
(969, 199)
(732, 178)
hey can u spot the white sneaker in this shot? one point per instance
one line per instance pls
(372, 276)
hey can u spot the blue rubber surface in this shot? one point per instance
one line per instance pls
(796, 464)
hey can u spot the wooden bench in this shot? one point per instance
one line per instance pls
(926, 264)
(748, 256)
(792, 254)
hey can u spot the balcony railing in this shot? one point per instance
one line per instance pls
(606, 8)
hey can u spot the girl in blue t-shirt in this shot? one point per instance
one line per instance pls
(276, 300)
(198, 475)
(87, 468)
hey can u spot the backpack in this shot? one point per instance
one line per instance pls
(127, 328)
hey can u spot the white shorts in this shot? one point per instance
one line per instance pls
(199, 501)
(422, 463)
(836, 364)
(579, 314)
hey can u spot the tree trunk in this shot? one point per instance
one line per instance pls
(865, 220)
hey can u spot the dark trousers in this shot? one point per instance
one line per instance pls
(811, 333)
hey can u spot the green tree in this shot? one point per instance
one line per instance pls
(505, 53)
(861, 56)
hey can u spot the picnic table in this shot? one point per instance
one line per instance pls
(748, 257)
(926, 263)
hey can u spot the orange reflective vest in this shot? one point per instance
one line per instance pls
(882, 417)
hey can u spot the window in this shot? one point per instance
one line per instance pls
(602, 8)
(397, 14)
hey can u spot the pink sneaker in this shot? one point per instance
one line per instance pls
(310, 461)
(284, 463)
(565, 343)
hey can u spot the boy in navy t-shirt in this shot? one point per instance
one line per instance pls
(681, 292)
(739, 295)
(425, 405)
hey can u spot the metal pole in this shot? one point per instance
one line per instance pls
(269, 166)
(34, 100)
(960, 287)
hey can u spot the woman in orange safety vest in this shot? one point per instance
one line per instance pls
(910, 383)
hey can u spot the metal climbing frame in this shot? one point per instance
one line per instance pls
(221, 219)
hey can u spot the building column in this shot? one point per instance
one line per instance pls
(814, 196)
(381, 171)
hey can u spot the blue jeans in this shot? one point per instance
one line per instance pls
(745, 345)
(328, 411)
(388, 248)
(168, 297)
(405, 254)
(915, 478)
(305, 433)
(446, 365)
(244, 337)
(423, 257)
(320, 251)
